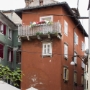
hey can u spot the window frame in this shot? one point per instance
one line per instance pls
(82, 79)
(83, 46)
(50, 16)
(65, 73)
(75, 38)
(75, 58)
(3, 31)
(9, 34)
(45, 44)
(75, 77)
(65, 28)
(65, 50)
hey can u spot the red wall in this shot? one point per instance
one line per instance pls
(48, 71)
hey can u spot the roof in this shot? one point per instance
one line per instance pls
(8, 21)
(7, 11)
(64, 5)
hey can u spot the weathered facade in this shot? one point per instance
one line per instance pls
(47, 48)
(8, 42)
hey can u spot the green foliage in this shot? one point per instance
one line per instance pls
(6, 73)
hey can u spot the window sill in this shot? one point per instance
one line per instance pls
(65, 81)
(1, 33)
(9, 38)
(65, 58)
(47, 55)
(19, 63)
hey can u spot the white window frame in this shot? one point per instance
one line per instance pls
(75, 39)
(82, 64)
(65, 51)
(75, 77)
(1, 28)
(42, 18)
(9, 56)
(45, 49)
(83, 46)
(9, 33)
(65, 28)
(75, 58)
(65, 73)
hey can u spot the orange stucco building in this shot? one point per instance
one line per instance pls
(48, 47)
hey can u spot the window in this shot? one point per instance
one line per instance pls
(83, 46)
(10, 34)
(48, 18)
(2, 28)
(65, 50)
(65, 74)
(18, 56)
(47, 49)
(82, 79)
(87, 84)
(75, 77)
(75, 39)
(75, 58)
(1, 50)
(10, 54)
(65, 28)
(82, 64)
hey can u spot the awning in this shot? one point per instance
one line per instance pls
(6, 86)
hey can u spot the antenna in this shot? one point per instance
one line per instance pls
(77, 4)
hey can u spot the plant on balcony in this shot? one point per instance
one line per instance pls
(39, 23)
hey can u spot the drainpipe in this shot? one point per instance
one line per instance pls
(89, 52)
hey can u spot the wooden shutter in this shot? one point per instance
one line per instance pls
(83, 46)
(4, 31)
(75, 77)
(67, 75)
(11, 54)
(1, 50)
(65, 27)
(17, 57)
(75, 58)
(66, 50)
(82, 79)
(64, 73)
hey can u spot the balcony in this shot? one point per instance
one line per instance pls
(40, 31)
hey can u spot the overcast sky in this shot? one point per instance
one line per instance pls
(16, 4)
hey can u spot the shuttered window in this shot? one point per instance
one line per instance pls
(2, 28)
(82, 79)
(18, 57)
(10, 54)
(47, 49)
(75, 39)
(1, 50)
(65, 73)
(75, 58)
(83, 46)
(75, 77)
(82, 64)
(65, 28)
(10, 34)
(48, 18)
(65, 50)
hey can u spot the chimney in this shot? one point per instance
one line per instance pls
(27, 3)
